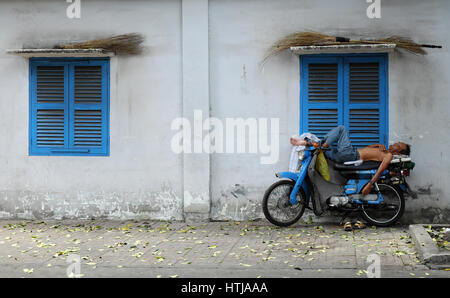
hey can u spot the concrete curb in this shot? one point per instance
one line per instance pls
(427, 249)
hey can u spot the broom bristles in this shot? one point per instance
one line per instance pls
(406, 44)
(310, 38)
(304, 38)
(125, 44)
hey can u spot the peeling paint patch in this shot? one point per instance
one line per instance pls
(237, 203)
(164, 204)
(425, 190)
(196, 202)
(241, 202)
(426, 215)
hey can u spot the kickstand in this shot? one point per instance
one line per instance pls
(343, 218)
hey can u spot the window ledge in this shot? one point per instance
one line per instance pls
(344, 48)
(29, 53)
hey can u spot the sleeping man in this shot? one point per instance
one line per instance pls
(346, 152)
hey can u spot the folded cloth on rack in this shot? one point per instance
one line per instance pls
(293, 162)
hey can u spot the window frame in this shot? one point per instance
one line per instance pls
(343, 105)
(69, 108)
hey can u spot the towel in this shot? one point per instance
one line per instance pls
(294, 161)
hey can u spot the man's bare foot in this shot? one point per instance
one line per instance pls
(297, 142)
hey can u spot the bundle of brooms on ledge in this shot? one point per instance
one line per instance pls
(310, 38)
(131, 44)
(125, 44)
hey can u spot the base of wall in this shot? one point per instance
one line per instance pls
(196, 217)
(242, 204)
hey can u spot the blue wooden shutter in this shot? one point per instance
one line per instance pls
(321, 95)
(345, 90)
(69, 107)
(364, 100)
(48, 107)
(89, 108)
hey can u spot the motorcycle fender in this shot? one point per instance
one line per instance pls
(294, 177)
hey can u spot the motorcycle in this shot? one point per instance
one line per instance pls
(285, 201)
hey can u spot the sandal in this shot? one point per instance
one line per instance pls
(359, 225)
(348, 226)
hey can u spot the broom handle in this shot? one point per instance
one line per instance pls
(342, 39)
(431, 46)
(419, 45)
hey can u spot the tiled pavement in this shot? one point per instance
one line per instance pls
(215, 249)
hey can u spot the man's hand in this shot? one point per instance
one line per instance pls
(366, 190)
(383, 166)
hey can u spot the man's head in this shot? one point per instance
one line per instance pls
(400, 148)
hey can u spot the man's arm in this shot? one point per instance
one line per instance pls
(384, 164)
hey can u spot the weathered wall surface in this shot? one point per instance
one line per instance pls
(418, 90)
(141, 177)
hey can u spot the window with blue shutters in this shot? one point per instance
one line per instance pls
(69, 106)
(348, 90)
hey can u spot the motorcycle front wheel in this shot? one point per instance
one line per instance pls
(388, 212)
(277, 207)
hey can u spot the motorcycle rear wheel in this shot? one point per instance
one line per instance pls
(276, 203)
(387, 213)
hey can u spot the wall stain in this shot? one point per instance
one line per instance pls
(425, 190)
(164, 204)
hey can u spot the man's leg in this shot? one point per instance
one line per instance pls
(345, 150)
(339, 135)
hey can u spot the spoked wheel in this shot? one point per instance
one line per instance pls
(389, 211)
(277, 207)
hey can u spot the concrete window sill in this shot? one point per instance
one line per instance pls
(29, 53)
(345, 48)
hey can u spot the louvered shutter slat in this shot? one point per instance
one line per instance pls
(50, 84)
(50, 128)
(320, 121)
(322, 98)
(88, 84)
(322, 82)
(48, 101)
(89, 107)
(364, 82)
(363, 104)
(88, 128)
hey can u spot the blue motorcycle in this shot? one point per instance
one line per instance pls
(286, 200)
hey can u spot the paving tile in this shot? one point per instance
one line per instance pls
(118, 245)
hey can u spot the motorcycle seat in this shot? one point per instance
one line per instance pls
(367, 165)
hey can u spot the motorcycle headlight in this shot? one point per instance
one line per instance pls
(301, 155)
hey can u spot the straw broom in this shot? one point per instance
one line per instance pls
(310, 38)
(405, 43)
(305, 38)
(125, 44)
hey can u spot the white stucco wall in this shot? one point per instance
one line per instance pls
(241, 32)
(142, 177)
